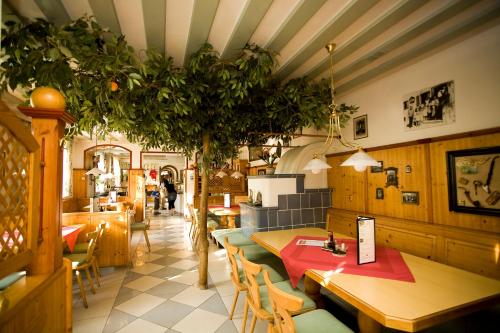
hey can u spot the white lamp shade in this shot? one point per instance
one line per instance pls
(94, 172)
(360, 160)
(316, 165)
(221, 174)
(237, 174)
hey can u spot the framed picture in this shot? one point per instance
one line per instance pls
(392, 177)
(261, 171)
(253, 153)
(379, 168)
(474, 180)
(379, 193)
(360, 127)
(410, 198)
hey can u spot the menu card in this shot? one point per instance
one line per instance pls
(310, 242)
(366, 239)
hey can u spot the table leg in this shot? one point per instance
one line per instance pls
(312, 289)
(367, 324)
(231, 224)
(223, 222)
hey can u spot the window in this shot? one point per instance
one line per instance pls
(67, 184)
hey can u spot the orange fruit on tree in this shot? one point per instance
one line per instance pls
(114, 86)
(47, 98)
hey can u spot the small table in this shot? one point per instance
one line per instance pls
(227, 215)
(439, 293)
(70, 234)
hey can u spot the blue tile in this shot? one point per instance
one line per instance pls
(284, 218)
(293, 201)
(327, 199)
(300, 185)
(298, 226)
(311, 190)
(310, 225)
(282, 202)
(262, 221)
(287, 227)
(304, 200)
(275, 228)
(316, 200)
(308, 215)
(272, 217)
(318, 215)
(325, 212)
(321, 225)
(296, 216)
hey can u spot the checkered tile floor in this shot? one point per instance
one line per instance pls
(159, 293)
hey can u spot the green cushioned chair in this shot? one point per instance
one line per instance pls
(237, 275)
(11, 278)
(254, 252)
(236, 237)
(258, 298)
(284, 303)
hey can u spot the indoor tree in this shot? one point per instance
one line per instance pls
(212, 105)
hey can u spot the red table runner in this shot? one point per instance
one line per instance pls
(299, 258)
(70, 234)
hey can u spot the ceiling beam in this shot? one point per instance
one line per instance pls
(132, 23)
(104, 11)
(54, 11)
(154, 23)
(77, 9)
(201, 21)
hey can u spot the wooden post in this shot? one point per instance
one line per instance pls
(48, 129)
(202, 222)
(136, 192)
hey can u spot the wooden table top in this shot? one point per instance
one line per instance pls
(222, 211)
(440, 293)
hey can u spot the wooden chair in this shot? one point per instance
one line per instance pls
(83, 248)
(140, 226)
(258, 299)
(237, 275)
(284, 305)
(83, 262)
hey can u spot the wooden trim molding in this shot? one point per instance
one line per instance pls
(60, 114)
(426, 140)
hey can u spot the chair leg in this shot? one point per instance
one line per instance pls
(98, 268)
(245, 315)
(234, 304)
(82, 289)
(87, 273)
(252, 325)
(147, 239)
(96, 274)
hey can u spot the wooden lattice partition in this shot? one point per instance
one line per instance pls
(226, 184)
(19, 193)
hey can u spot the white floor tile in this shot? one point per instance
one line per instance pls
(89, 325)
(184, 264)
(193, 296)
(181, 254)
(200, 321)
(147, 268)
(144, 283)
(187, 277)
(140, 325)
(140, 304)
(97, 308)
(178, 246)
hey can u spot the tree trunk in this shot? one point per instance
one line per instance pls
(202, 226)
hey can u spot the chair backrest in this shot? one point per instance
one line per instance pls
(231, 255)
(251, 270)
(283, 304)
(92, 236)
(101, 228)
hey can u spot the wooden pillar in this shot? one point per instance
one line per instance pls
(136, 192)
(48, 129)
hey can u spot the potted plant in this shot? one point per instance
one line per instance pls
(269, 158)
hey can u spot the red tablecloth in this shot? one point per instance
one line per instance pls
(70, 234)
(299, 258)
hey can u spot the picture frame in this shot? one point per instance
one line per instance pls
(261, 171)
(474, 180)
(377, 169)
(410, 197)
(379, 193)
(254, 153)
(392, 177)
(360, 127)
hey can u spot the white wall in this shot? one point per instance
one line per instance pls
(474, 66)
(79, 146)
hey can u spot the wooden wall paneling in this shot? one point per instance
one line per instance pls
(349, 186)
(476, 257)
(439, 178)
(417, 180)
(79, 183)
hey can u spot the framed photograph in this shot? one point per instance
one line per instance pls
(254, 153)
(261, 171)
(377, 169)
(429, 107)
(379, 193)
(392, 177)
(474, 180)
(360, 127)
(410, 198)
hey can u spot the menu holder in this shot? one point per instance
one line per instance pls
(366, 239)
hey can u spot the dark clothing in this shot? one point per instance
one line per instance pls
(172, 194)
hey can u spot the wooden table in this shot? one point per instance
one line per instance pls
(440, 293)
(70, 234)
(227, 215)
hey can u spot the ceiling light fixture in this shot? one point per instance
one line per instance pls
(221, 174)
(95, 171)
(237, 175)
(360, 160)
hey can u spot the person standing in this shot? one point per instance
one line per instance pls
(172, 193)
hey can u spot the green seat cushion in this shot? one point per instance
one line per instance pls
(286, 287)
(254, 252)
(319, 321)
(138, 226)
(237, 239)
(10, 279)
(273, 275)
(220, 233)
(81, 247)
(211, 224)
(77, 258)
